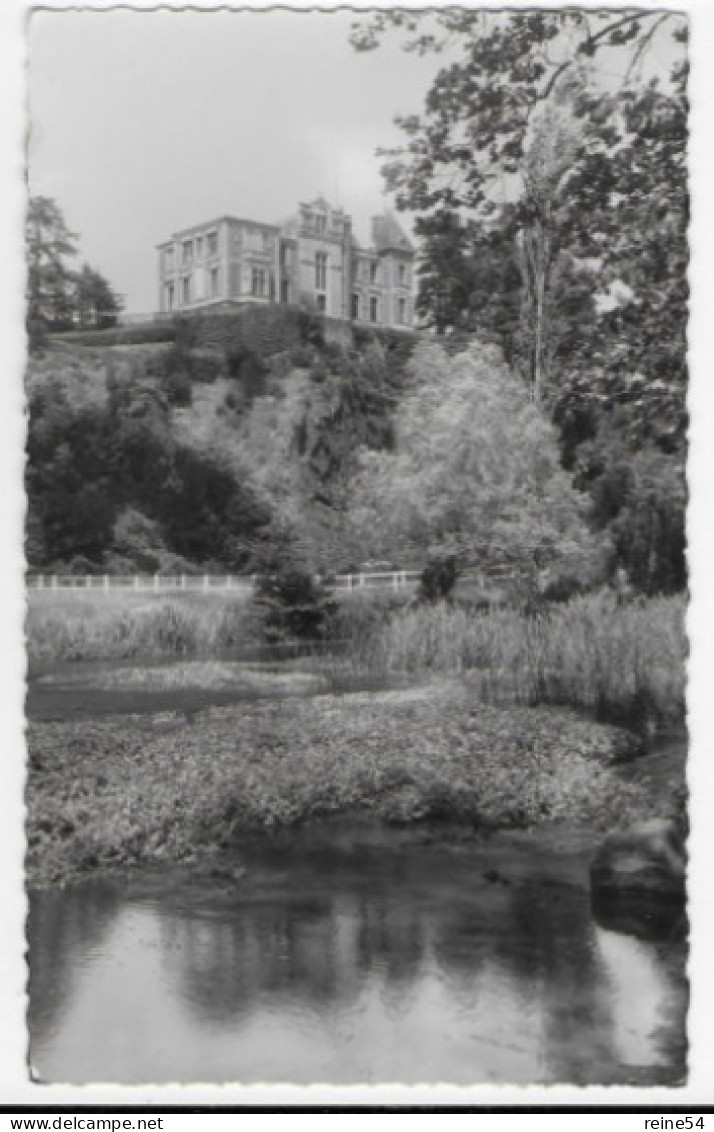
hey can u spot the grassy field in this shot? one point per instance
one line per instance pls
(124, 790)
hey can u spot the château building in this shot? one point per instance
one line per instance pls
(312, 258)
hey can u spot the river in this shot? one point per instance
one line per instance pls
(343, 954)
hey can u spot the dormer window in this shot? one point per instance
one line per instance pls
(187, 251)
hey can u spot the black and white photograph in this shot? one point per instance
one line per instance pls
(356, 564)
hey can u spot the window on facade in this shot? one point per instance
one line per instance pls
(213, 281)
(212, 243)
(355, 305)
(169, 259)
(199, 247)
(286, 255)
(320, 222)
(402, 311)
(321, 271)
(186, 289)
(373, 308)
(258, 241)
(187, 251)
(170, 297)
(373, 272)
(257, 282)
(322, 303)
(284, 291)
(402, 274)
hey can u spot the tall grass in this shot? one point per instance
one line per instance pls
(626, 662)
(127, 626)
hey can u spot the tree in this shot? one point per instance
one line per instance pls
(96, 304)
(475, 472)
(521, 128)
(294, 604)
(50, 283)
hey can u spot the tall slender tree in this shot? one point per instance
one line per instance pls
(50, 282)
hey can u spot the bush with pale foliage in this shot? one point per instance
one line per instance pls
(475, 468)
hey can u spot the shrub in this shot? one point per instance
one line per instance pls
(176, 387)
(249, 369)
(295, 605)
(302, 356)
(206, 367)
(438, 578)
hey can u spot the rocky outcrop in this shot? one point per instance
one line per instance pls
(638, 877)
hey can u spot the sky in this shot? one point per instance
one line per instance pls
(146, 122)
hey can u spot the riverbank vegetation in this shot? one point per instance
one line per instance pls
(126, 790)
(620, 660)
(624, 661)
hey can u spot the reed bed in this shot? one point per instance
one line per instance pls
(624, 661)
(127, 626)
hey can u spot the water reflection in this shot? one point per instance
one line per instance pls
(353, 962)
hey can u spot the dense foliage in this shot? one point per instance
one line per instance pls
(547, 175)
(108, 484)
(475, 469)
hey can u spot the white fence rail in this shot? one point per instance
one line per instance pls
(158, 583)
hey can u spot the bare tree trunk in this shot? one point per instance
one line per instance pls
(537, 255)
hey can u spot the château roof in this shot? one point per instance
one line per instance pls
(388, 235)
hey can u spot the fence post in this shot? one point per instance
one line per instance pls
(361, 579)
(54, 581)
(205, 581)
(136, 581)
(183, 581)
(106, 581)
(156, 582)
(40, 581)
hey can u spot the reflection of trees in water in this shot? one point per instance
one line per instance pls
(391, 938)
(63, 927)
(314, 953)
(557, 951)
(537, 938)
(293, 951)
(527, 949)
